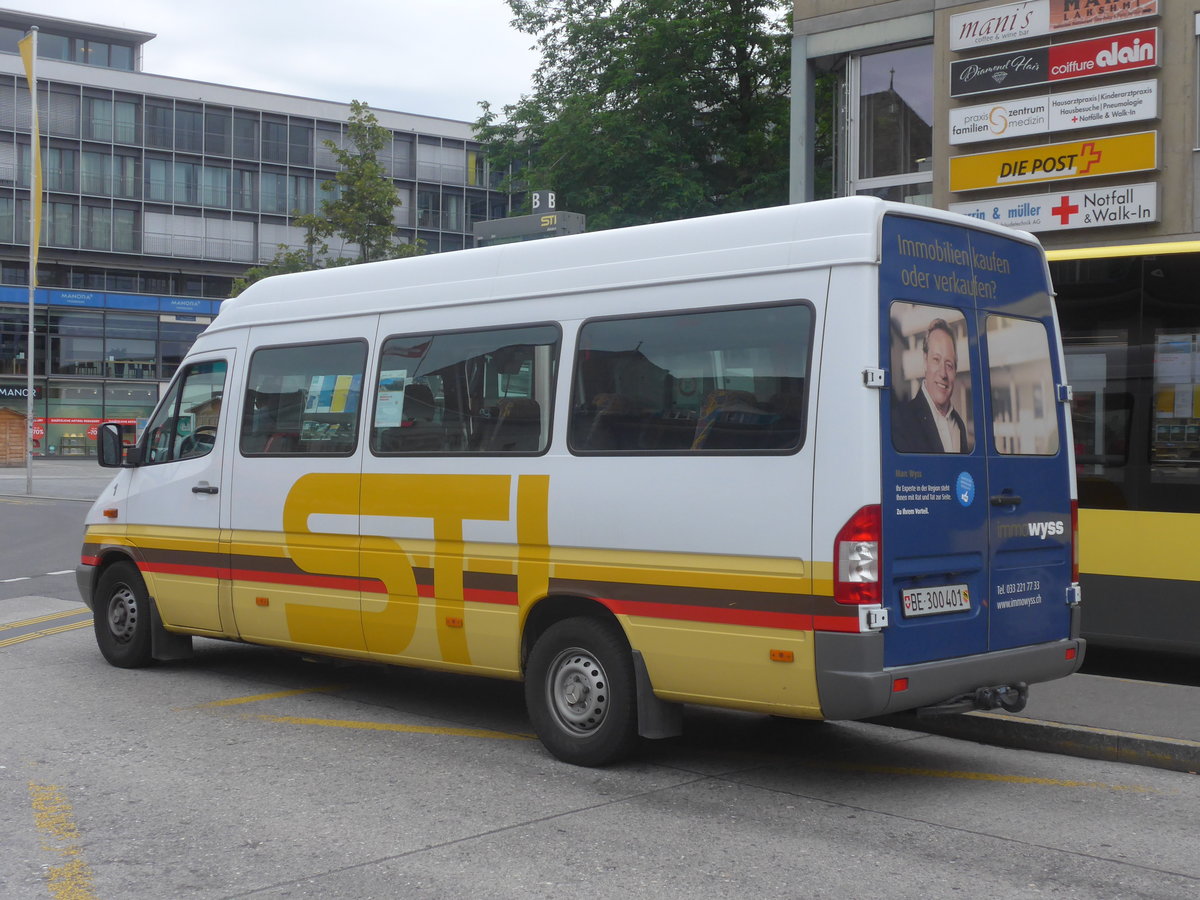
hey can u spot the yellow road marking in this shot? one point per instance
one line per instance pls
(991, 776)
(8, 642)
(255, 698)
(55, 818)
(47, 618)
(407, 729)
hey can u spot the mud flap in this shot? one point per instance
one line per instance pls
(656, 718)
(166, 645)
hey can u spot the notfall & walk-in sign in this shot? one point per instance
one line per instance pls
(1126, 204)
(1087, 158)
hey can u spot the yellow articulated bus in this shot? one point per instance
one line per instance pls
(812, 461)
(1131, 330)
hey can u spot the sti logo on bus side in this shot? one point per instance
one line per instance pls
(1041, 530)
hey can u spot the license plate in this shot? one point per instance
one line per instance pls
(934, 600)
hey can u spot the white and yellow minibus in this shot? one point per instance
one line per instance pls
(812, 461)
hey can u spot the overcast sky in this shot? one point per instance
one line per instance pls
(432, 57)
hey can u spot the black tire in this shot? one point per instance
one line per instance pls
(580, 692)
(121, 616)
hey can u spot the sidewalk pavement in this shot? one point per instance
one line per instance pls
(1092, 716)
(57, 479)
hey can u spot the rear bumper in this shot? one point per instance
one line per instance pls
(853, 684)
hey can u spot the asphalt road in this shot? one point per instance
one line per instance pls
(250, 772)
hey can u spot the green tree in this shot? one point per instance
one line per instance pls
(365, 199)
(646, 110)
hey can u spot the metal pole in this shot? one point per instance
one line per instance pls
(35, 201)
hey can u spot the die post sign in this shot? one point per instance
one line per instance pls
(1086, 158)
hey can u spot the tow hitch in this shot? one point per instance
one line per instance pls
(1009, 697)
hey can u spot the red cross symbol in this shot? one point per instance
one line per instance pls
(1064, 210)
(1091, 154)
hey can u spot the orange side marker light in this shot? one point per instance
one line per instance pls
(262, 601)
(454, 622)
(783, 656)
(110, 513)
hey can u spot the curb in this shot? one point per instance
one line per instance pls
(1084, 741)
(11, 496)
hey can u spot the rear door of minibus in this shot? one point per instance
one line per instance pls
(976, 515)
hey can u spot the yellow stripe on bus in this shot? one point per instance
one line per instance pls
(1139, 544)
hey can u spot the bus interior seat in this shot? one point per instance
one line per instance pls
(518, 427)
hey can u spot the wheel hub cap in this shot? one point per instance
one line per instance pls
(578, 691)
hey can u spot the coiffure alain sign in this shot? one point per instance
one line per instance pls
(1110, 55)
(1034, 18)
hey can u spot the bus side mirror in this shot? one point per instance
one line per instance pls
(111, 448)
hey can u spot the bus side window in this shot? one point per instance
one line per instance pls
(466, 392)
(304, 400)
(728, 380)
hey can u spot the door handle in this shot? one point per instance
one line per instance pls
(204, 488)
(1006, 500)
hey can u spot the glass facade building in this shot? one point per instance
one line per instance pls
(158, 193)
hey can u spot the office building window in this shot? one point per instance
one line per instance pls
(218, 131)
(125, 233)
(95, 227)
(58, 224)
(300, 194)
(274, 142)
(187, 182)
(300, 144)
(125, 122)
(216, 187)
(61, 171)
(95, 173)
(158, 179)
(243, 189)
(125, 180)
(894, 143)
(245, 135)
(8, 206)
(62, 114)
(97, 119)
(189, 129)
(274, 193)
(160, 125)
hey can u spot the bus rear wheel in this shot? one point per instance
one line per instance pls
(580, 692)
(121, 616)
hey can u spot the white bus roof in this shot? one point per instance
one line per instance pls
(782, 238)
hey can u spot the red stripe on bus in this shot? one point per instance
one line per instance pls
(334, 582)
(482, 595)
(835, 623)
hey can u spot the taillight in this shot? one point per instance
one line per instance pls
(1075, 541)
(856, 558)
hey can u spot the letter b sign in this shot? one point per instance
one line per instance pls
(543, 201)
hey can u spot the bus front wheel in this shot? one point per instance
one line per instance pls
(580, 692)
(121, 616)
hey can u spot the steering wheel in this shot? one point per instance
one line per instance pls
(199, 442)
